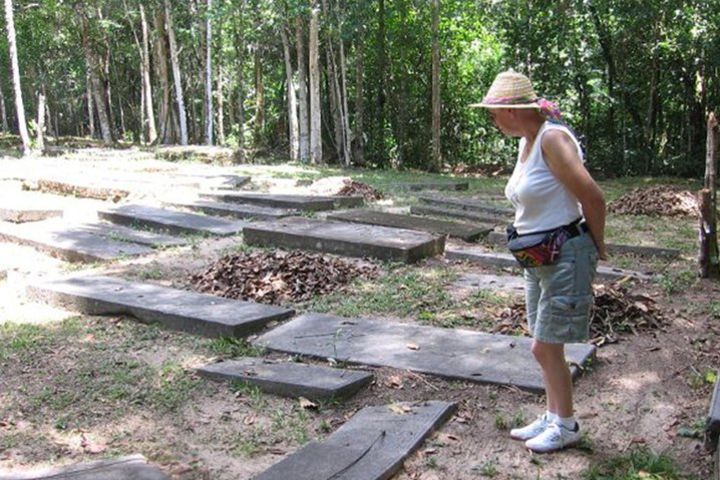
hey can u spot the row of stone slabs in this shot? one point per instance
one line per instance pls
(371, 446)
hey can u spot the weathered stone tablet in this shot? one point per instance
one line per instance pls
(133, 467)
(712, 426)
(27, 214)
(290, 379)
(62, 241)
(170, 221)
(460, 213)
(500, 238)
(236, 210)
(104, 190)
(495, 259)
(416, 186)
(127, 234)
(464, 231)
(466, 203)
(305, 203)
(353, 240)
(512, 284)
(371, 446)
(191, 312)
(450, 353)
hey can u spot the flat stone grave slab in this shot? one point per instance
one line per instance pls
(133, 467)
(82, 188)
(450, 353)
(127, 234)
(464, 231)
(712, 425)
(460, 213)
(417, 186)
(235, 210)
(73, 245)
(500, 238)
(192, 312)
(495, 259)
(466, 203)
(211, 181)
(370, 446)
(350, 239)
(290, 379)
(170, 221)
(511, 284)
(26, 214)
(305, 203)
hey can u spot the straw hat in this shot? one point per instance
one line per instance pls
(510, 89)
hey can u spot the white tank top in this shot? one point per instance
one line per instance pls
(541, 202)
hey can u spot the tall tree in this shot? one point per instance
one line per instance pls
(147, 86)
(314, 68)
(15, 69)
(177, 75)
(436, 106)
(208, 76)
(291, 99)
(303, 116)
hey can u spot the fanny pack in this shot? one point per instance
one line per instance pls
(542, 248)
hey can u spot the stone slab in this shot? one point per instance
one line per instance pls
(712, 425)
(305, 203)
(460, 213)
(290, 379)
(235, 210)
(354, 240)
(100, 190)
(127, 234)
(464, 231)
(450, 353)
(417, 186)
(466, 203)
(500, 238)
(495, 259)
(62, 241)
(133, 467)
(214, 181)
(512, 284)
(22, 215)
(192, 312)
(372, 445)
(170, 221)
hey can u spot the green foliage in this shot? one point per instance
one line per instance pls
(639, 464)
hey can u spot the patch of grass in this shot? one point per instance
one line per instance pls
(232, 347)
(677, 281)
(639, 464)
(173, 388)
(488, 469)
(404, 291)
(151, 273)
(714, 308)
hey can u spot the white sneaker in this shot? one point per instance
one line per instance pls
(529, 431)
(555, 437)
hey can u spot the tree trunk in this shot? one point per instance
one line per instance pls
(162, 72)
(291, 101)
(359, 136)
(239, 155)
(303, 120)
(708, 260)
(176, 75)
(96, 84)
(3, 113)
(347, 136)
(208, 77)
(220, 107)
(40, 144)
(436, 154)
(15, 69)
(104, 76)
(90, 103)
(150, 126)
(380, 82)
(315, 119)
(259, 98)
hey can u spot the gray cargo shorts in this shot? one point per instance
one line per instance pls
(559, 297)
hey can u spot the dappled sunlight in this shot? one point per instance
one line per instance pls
(637, 381)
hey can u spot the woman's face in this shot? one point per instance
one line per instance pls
(504, 120)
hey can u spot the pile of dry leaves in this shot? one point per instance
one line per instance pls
(278, 277)
(353, 188)
(614, 312)
(661, 200)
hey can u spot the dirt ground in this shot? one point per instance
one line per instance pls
(76, 388)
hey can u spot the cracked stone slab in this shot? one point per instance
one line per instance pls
(63, 241)
(464, 231)
(127, 234)
(482, 217)
(133, 467)
(350, 239)
(290, 379)
(370, 446)
(449, 353)
(235, 210)
(494, 259)
(506, 283)
(712, 425)
(305, 203)
(192, 312)
(500, 238)
(171, 221)
(466, 203)
(417, 186)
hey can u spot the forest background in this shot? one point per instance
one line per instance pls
(366, 83)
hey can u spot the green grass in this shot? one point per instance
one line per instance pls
(232, 347)
(639, 464)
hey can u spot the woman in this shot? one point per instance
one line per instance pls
(552, 192)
